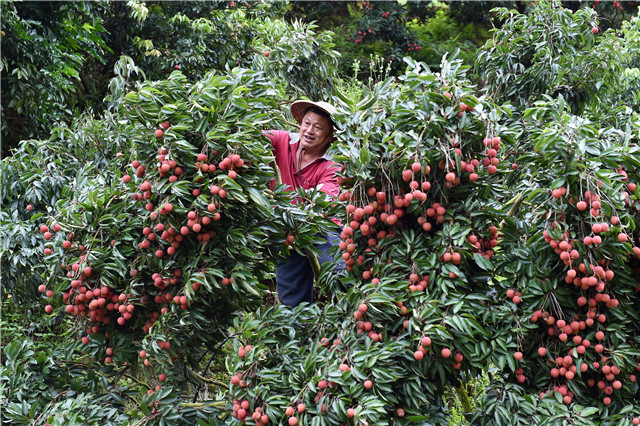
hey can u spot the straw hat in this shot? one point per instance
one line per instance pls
(298, 109)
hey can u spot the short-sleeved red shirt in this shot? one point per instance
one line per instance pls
(321, 171)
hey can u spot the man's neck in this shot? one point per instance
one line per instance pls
(306, 156)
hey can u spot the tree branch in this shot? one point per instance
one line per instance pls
(218, 404)
(516, 204)
(212, 381)
(137, 381)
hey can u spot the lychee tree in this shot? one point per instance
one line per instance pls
(552, 51)
(34, 179)
(154, 254)
(301, 59)
(419, 158)
(551, 307)
(573, 265)
(570, 270)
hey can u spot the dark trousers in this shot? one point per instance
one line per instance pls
(294, 276)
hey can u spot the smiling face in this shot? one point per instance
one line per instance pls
(316, 132)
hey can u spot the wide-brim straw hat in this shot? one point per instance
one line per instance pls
(298, 109)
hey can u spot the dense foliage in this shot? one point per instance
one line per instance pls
(47, 50)
(58, 57)
(521, 64)
(489, 229)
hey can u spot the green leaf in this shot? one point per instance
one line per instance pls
(365, 157)
(585, 412)
(483, 262)
(259, 198)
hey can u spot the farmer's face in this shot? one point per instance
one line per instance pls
(315, 131)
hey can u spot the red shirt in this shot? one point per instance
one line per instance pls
(321, 171)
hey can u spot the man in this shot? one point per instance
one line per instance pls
(303, 163)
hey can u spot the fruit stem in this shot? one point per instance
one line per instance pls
(464, 398)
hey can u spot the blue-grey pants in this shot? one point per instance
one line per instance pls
(294, 276)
